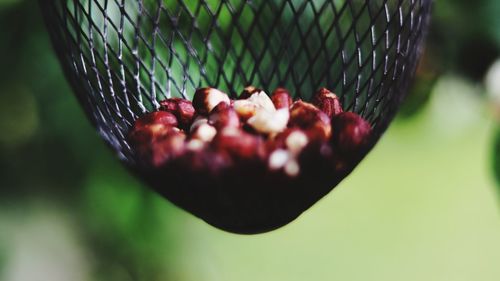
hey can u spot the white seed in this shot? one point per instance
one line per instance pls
(156, 128)
(278, 159)
(245, 108)
(270, 122)
(197, 123)
(214, 97)
(262, 101)
(205, 132)
(296, 142)
(330, 95)
(195, 145)
(230, 132)
(250, 89)
(292, 168)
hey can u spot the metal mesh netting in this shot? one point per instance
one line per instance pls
(124, 56)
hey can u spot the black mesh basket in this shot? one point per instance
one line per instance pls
(124, 56)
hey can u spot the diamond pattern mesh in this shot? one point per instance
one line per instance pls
(123, 56)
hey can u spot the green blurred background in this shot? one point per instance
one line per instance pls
(424, 205)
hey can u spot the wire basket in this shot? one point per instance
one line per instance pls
(123, 57)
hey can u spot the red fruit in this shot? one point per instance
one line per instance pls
(292, 139)
(248, 92)
(223, 116)
(157, 144)
(157, 118)
(207, 162)
(279, 141)
(144, 135)
(281, 98)
(327, 102)
(239, 144)
(181, 108)
(351, 133)
(310, 119)
(206, 99)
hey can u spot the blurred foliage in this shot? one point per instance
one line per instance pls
(24, 108)
(496, 156)
(464, 35)
(48, 150)
(464, 39)
(426, 77)
(3, 257)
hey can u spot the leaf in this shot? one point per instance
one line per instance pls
(496, 157)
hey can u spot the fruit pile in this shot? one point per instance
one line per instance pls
(252, 164)
(273, 131)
